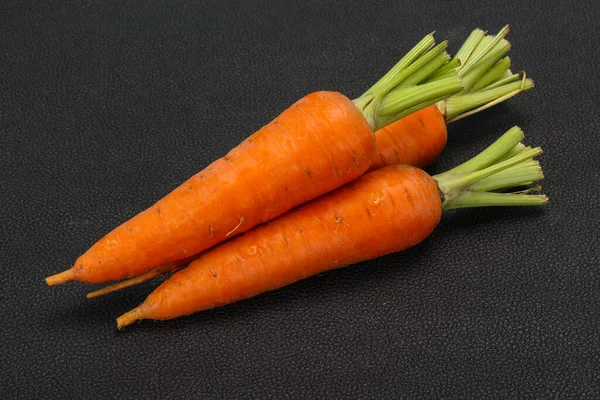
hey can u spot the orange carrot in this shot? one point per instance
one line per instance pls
(419, 138)
(385, 211)
(255, 182)
(353, 223)
(318, 144)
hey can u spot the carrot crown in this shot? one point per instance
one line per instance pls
(410, 73)
(484, 179)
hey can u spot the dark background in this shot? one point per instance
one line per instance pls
(105, 106)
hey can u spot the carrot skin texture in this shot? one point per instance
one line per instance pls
(417, 139)
(386, 211)
(318, 144)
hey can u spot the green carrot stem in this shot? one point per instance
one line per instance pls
(508, 78)
(483, 69)
(429, 68)
(469, 45)
(466, 180)
(491, 154)
(421, 63)
(487, 172)
(488, 60)
(481, 49)
(473, 61)
(493, 74)
(519, 175)
(388, 79)
(513, 152)
(444, 71)
(384, 120)
(486, 199)
(411, 71)
(480, 65)
(406, 96)
(462, 105)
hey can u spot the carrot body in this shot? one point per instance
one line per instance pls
(318, 144)
(386, 211)
(414, 140)
(315, 146)
(417, 139)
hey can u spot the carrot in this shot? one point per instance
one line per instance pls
(419, 138)
(320, 143)
(385, 211)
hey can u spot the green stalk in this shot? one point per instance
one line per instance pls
(481, 64)
(471, 183)
(520, 175)
(426, 75)
(420, 63)
(514, 151)
(478, 70)
(452, 85)
(506, 79)
(495, 73)
(491, 154)
(469, 45)
(467, 180)
(424, 60)
(425, 44)
(475, 60)
(487, 199)
(403, 97)
(445, 71)
(480, 49)
(463, 105)
(435, 64)
(414, 99)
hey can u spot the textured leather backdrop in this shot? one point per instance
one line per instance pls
(105, 106)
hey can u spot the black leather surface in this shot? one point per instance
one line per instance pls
(105, 106)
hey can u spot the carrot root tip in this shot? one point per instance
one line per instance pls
(65, 276)
(94, 294)
(130, 317)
